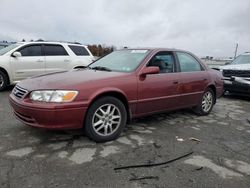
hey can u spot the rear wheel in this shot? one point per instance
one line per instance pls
(3, 80)
(206, 103)
(105, 119)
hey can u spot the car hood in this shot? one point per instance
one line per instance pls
(236, 67)
(68, 79)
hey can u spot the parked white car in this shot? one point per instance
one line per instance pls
(237, 75)
(26, 59)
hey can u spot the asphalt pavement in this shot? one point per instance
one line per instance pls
(218, 144)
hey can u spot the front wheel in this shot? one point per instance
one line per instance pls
(3, 81)
(105, 119)
(206, 103)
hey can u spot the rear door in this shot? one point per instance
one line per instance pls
(31, 63)
(159, 92)
(56, 58)
(193, 79)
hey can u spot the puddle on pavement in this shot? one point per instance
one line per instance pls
(201, 161)
(108, 150)
(83, 155)
(240, 166)
(20, 152)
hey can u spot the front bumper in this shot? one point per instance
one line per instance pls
(66, 116)
(237, 85)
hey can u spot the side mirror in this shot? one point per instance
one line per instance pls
(150, 70)
(16, 54)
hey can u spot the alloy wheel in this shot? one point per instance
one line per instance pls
(1, 81)
(106, 119)
(207, 101)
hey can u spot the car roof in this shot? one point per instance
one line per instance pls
(51, 42)
(157, 49)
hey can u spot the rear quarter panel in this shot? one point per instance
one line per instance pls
(216, 79)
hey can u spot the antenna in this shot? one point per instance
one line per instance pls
(236, 49)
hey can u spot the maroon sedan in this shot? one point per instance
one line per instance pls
(125, 84)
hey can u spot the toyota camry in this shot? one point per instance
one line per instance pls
(103, 97)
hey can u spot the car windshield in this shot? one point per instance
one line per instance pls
(242, 59)
(8, 48)
(121, 61)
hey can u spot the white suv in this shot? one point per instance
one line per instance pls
(237, 75)
(26, 59)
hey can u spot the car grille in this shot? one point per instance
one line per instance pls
(19, 92)
(239, 73)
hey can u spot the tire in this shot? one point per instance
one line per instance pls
(109, 116)
(3, 80)
(206, 103)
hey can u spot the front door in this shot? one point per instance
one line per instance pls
(30, 63)
(159, 92)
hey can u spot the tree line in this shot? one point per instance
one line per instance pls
(100, 50)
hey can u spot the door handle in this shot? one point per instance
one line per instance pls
(205, 79)
(39, 61)
(66, 60)
(175, 82)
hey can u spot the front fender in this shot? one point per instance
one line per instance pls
(106, 90)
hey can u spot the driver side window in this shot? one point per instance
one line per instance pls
(163, 60)
(33, 50)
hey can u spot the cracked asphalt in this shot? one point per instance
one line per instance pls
(220, 143)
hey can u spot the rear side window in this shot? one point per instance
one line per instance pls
(55, 50)
(34, 50)
(79, 50)
(188, 63)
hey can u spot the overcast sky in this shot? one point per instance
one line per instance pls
(211, 27)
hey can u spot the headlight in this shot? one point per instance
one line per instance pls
(53, 95)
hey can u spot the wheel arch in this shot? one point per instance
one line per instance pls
(113, 93)
(5, 72)
(211, 86)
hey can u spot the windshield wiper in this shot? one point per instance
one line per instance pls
(101, 68)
